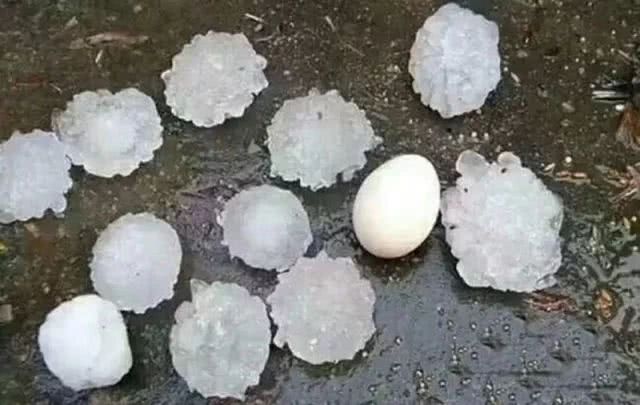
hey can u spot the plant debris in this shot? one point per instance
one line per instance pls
(550, 302)
(625, 94)
(114, 38)
(566, 176)
(628, 131)
(605, 303)
(629, 182)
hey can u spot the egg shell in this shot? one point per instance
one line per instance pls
(397, 206)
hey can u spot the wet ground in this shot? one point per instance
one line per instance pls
(437, 340)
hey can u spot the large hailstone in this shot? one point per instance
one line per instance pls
(136, 262)
(220, 342)
(84, 343)
(34, 176)
(109, 133)
(266, 227)
(317, 137)
(214, 77)
(502, 224)
(323, 309)
(455, 62)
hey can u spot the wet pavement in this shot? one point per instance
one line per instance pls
(438, 341)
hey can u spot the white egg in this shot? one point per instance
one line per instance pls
(397, 206)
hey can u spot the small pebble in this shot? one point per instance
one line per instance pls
(568, 107)
(6, 313)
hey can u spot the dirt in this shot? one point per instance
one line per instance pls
(437, 341)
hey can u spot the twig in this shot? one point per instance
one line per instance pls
(330, 22)
(254, 18)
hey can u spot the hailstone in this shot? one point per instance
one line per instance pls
(220, 342)
(266, 227)
(107, 133)
(317, 137)
(84, 343)
(455, 62)
(323, 309)
(214, 77)
(34, 176)
(502, 224)
(136, 262)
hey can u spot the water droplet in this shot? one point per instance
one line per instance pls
(442, 384)
(398, 340)
(465, 381)
(450, 324)
(535, 395)
(506, 327)
(440, 310)
(473, 326)
(512, 397)
(419, 373)
(474, 355)
(395, 367)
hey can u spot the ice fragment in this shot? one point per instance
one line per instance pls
(317, 137)
(214, 77)
(266, 227)
(502, 224)
(455, 61)
(84, 343)
(109, 133)
(34, 176)
(136, 262)
(220, 342)
(323, 309)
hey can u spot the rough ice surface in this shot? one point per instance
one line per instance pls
(220, 342)
(317, 137)
(323, 309)
(266, 227)
(502, 224)
(214, 77)
(136, 262)
(34, 176)
(109, 133)
(84, 343)
(455, 62)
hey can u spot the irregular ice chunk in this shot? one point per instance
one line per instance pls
(455, 61)
(502, 224)
(84, 343)
(34, 176)
(108, 133)
(323, 309)
(266, 227)
(214, 77)
(317, 137)
(136, 262)
(220, 342)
